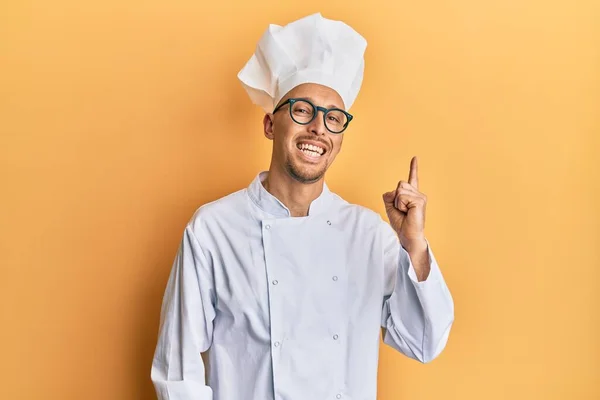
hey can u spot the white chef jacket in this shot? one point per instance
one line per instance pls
(290, 308)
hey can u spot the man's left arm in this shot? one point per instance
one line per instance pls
(419, 311)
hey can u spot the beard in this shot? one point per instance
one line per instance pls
(303, 174)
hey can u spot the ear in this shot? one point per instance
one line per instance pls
(268, 126)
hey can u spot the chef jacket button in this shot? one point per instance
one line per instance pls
(275, 282)
(276, 344)
(328, 222)
(335, 337)
(338, 396)
(335, 278)
(268, 227)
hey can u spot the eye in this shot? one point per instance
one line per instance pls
(333, 118)
(302, 109)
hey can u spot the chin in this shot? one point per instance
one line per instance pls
(306, 174)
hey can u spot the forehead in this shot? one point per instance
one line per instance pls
(319, 94)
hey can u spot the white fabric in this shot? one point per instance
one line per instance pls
(312, 49)
(290, 308)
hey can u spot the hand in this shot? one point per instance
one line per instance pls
(405, 208)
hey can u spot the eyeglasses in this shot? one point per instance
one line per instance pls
(303, 112)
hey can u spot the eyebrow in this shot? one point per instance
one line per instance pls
(313, 101)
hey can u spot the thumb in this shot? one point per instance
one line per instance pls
(395, 217)
(389, 197)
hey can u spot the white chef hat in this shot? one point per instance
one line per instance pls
(312, 49)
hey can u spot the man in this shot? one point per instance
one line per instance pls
(284, 283)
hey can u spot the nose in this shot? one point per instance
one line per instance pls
(317, 125)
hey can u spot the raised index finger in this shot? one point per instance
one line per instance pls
(412, 175)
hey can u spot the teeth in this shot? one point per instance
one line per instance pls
(311, 153)
(312, 148)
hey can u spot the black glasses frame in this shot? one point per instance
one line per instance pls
(316, 110)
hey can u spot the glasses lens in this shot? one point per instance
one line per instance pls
(336, 121)
(302, 112)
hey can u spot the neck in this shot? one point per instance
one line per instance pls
(296, 196)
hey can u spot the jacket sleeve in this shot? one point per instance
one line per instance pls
(417, 316)
(186, 325)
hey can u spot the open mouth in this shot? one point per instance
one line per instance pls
(311, 150)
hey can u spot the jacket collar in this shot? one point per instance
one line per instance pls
(271, 204)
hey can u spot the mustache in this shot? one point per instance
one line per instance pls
(313, 139)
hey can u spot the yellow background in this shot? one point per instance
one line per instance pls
(118, 119)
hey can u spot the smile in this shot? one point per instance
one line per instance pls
(311, 150)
